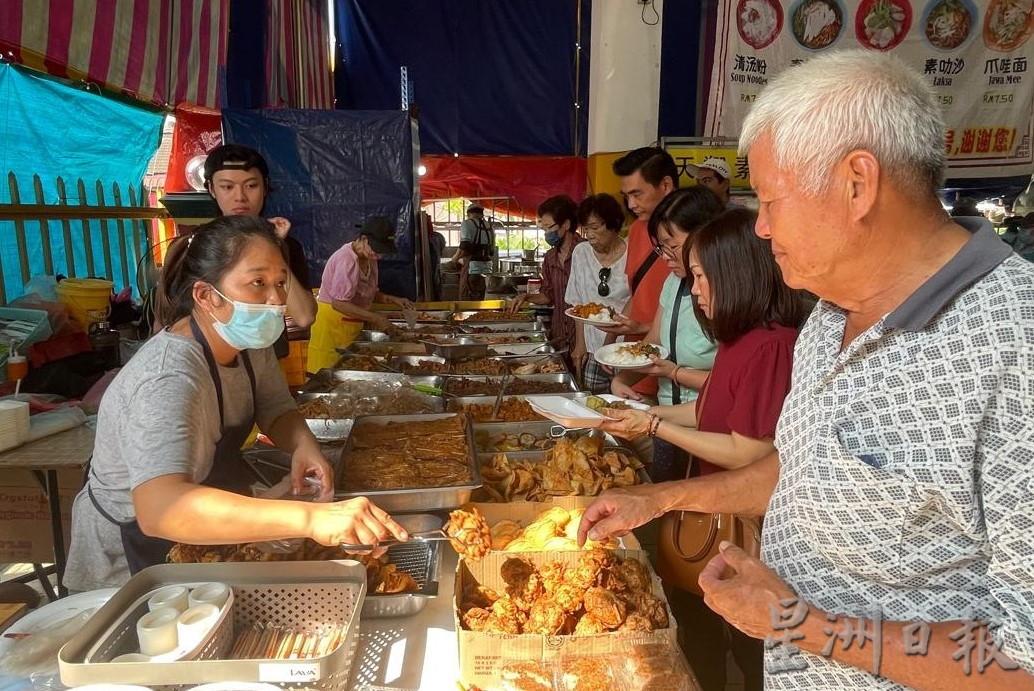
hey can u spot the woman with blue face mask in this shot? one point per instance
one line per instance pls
(558, 217)
(166, 463)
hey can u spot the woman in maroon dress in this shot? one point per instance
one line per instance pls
(744, 306)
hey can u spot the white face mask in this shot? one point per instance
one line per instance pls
(251, 326)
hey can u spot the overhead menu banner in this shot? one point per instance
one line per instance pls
(976, 55)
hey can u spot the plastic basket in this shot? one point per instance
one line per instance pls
(298, 595)
(22, 327)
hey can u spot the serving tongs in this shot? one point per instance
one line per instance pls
(436, 535)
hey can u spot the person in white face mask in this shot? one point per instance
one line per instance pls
(166, 463)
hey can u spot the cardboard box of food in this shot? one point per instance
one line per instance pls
(26, 535)
(525, 512)
(480, 652)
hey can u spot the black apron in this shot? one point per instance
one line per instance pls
(229, 470)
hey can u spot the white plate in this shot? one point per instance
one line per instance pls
(572, 413)
(52, 613)
(591, 322)
(603, 356)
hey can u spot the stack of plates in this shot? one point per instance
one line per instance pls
(14, 424)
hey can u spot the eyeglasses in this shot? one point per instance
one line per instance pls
(603, 289)
(550, 229)
(669, 252)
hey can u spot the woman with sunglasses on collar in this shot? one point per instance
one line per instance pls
(675, 326)
(166, 463)
(597, 275)
(558, 216)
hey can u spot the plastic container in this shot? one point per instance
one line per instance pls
(88, 299)
(293, 365)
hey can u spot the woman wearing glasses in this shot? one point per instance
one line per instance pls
(597, 275)
(675, 326)
(558, 217)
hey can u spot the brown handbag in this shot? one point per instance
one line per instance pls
(688, 539)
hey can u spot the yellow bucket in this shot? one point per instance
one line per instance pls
(88, 299)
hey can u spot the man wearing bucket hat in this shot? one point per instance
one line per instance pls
(714, 174)
(348, 289)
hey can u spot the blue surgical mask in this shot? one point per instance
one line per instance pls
(552, 238)
(251, 327)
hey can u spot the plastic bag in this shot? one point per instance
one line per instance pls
(36, 655)
(313, 492)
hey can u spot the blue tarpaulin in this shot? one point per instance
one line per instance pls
(52, 130)
(329, 170)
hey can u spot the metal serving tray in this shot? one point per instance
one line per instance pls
(415, 499)
(297, 595)
(331, 429)
(423, 316)
(326, 379)
(523, 327)
(520, 349)
(471, 317)
(537, 359)
(456, 347)
(398, 360)
(421, 560)
(565, 378)
(503, 337)
(384, 348)
(540, 455)
(454, 403)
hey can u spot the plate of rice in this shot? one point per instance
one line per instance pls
(593, 313)
(629, 355)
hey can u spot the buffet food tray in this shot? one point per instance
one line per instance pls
(455, 403)
(546, 430)
(396, 363)
(539, 456)
(415, 499)
(519, 349)
(334, 428)
(421, 560)
(326, 379)
(422, 316)
(470, 317)
(383, 348)
(302, 596)
(522, 327)
(565, 378)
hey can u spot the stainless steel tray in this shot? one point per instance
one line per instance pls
(414, 499)
(396, 362)
(326, 379)
(499, 337)
(455, 347)
(540, 455)
(454, 403)
(383, 348)
(423, 316)
(564, 378)
(421, 560)
(512, 362)
(546, 429)
(520, 348)
(528, 327)
(297, 595)
(331, 429)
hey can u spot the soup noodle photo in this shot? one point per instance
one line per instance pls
(817, 23)
(948, 24)
(759, 21)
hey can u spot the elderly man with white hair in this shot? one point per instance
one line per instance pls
(899, 504)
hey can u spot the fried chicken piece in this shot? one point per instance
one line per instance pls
(590, 564)
(610, 580)
(391, 580)
(589, 625)
(469, 533)
(506, 617)
(636, 621)
(516, 571)
(607, 607)
(553, 575)
(476, 619)
(526, 595)
(649, 606)
(504, 532)
(569, 597)
(546, 617)
(634, 574)
(475, 595)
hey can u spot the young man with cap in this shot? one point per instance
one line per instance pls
(237, 178)
(477, 245)
(348, 290)
(714, 174)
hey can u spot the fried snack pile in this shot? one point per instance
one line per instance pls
(598, 593)
(553, 529)
(400, 456)
(381, 576)
(578, 467)
(468, 533)
(510, 410)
